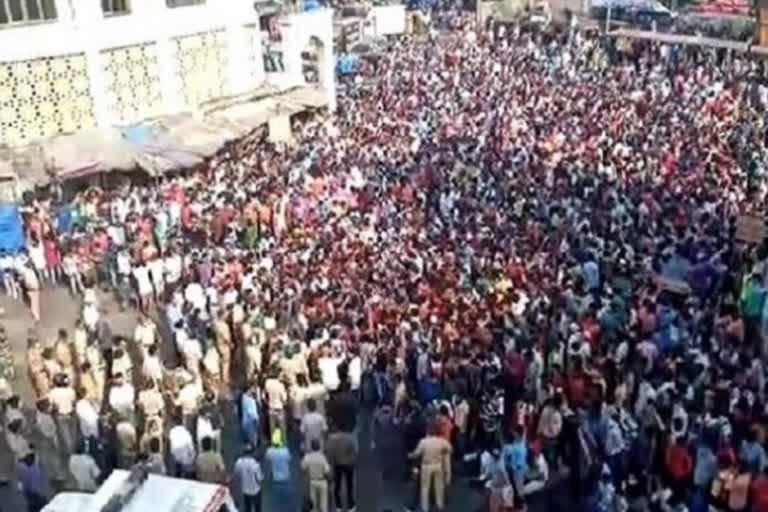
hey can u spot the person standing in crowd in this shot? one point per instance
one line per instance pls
(32, 286)
(434, 453)
(317, 469)
(83, 468)
(209, 466)
(182, 449)
(278, 470)
(248, 474)
(31, 482)
(276, 396)
(341, 449)
(553, 227)
(313, 426)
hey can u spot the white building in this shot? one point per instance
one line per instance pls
(70, 65)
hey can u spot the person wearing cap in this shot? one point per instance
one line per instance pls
(277, 461)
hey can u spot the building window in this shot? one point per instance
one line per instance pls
(183, 3)
(273, 61)
(114, 7)
(26, 11)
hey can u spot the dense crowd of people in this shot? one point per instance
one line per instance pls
(477, 249)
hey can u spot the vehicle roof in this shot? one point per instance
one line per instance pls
(68, 502)
(160, 494)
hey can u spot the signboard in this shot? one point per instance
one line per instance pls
(388, 19)
(280, 129)
(750, 228)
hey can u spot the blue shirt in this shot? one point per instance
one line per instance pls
(279, 460)
(516, 457)
(705, 468)
(591, 275)
(753, 455)
(30, 478)
(249, 415)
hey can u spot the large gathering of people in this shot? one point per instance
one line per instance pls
(513, 256)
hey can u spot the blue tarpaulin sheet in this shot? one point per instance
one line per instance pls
(346, 63)
(11, 230)
(311, 5)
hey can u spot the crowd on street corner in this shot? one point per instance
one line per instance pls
(470, 261)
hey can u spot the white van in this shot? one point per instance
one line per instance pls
(68, 502)
(135, 491)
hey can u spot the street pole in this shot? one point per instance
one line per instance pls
(608, 18)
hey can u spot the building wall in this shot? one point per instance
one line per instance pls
(86, 69)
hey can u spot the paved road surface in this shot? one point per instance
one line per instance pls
(375, 494)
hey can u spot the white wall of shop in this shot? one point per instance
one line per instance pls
(88, 69)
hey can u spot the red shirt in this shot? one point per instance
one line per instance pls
(760, 493)
(678, 461)
(52, 256)
(577, 388)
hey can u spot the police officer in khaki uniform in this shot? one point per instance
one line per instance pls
(64, 355)
(151, 403)
(98, 366)
(79, 343)
(316, 466)
(88, 384)
(36, 368)
(224, 345)
(212, 371)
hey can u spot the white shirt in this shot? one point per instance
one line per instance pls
(85, 471)
(6, 262)
(88, 417)
(123, 263)
(329, 372)
(144, 334)
(172, 268)
(313, 427)
(195, 295)
(121, 398)
(142, 279)
(90, 316)
(37, 255)
(156, 269)
(355, 373)
(189, 398)
(30, 279)
(182, 446)
(205, 429)
(248, 471)
(152, 368)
